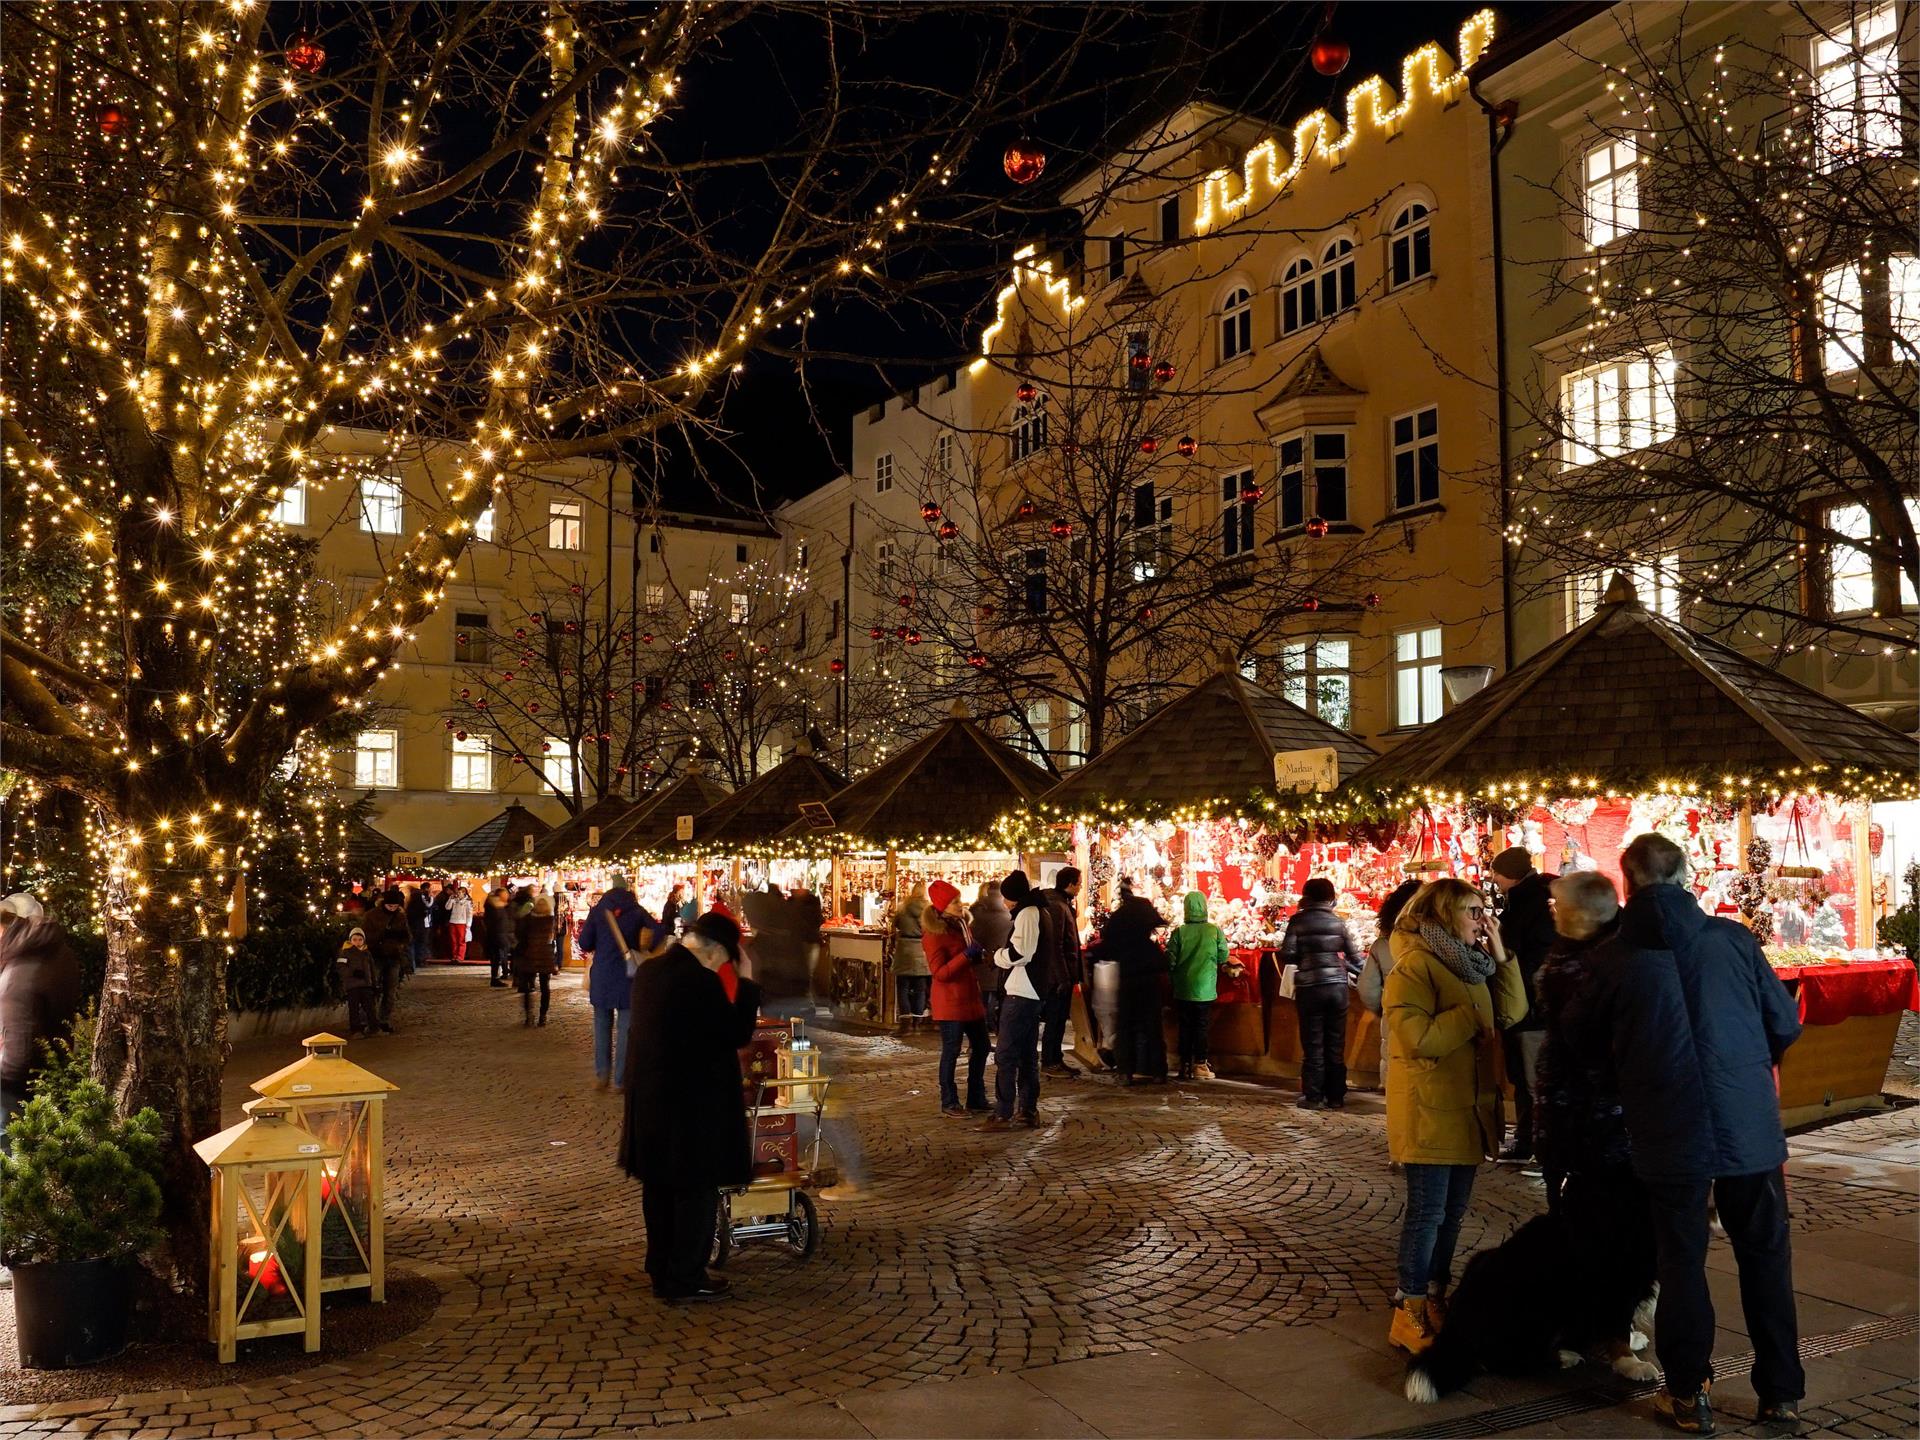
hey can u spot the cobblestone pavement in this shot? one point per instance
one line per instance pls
(1132, 1219)
(1903, 1075)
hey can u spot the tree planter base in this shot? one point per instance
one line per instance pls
(69, 1313)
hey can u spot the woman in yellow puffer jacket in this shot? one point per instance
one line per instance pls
(1452, 982)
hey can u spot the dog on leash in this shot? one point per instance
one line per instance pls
(1560, 1288)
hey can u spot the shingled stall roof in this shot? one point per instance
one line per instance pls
(1214, 743)
(368, 849)
(765, 805)
(650, 824)
(1628, 700)
(944, 790)
(570, 838)
(492, 846)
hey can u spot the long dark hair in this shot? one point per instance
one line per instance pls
(1391, 907)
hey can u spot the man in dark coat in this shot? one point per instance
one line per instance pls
(418, 948)
(39, 996)
(439, 911)
(388, 939)
(686, 1121)
(777, 962)
(1699, 1021)
(1062, 972)
(1526, 929)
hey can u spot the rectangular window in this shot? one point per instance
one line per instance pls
(1416, 458)
(1170, 220)
(1903, 283)
(883, 561)
(1116, 258)
(376, 760)
(883, 473)
(1618, 406)
(1239, 503)
(1034, 582)
(653, 543)
(1317, 675)
(656, 599)
(833, 621)
(483, 526)
(1029, 434)
(472, 767)
(1612, 175)
(1843, 330)
(1152, 531)
(472, 641)
(1036, 736)
(1856, 88)
(739, 607)
(1293, 482)
(739, 554)
(382, 506)
(558, 762)
(697, 602)
(943, 456)
(291, 507)
(1656, 582)
(1850, 587)
(1139, 361)
(1075, 741)
(1330, 474)
(566, 525)
(1416, 676)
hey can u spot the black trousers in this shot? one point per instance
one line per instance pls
(1754, 1210)
(1016, 1066)
(1054, 1011)
(1196, 1018)
(1141, 1046)
(1323, 1041)
(360, 1003)
(974, 1032)
(680, 1220)
(1523, 1054)
(525, 983)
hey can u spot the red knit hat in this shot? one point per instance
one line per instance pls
(942, 895)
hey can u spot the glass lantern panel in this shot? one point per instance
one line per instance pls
(345, 1184)
(270, 1226)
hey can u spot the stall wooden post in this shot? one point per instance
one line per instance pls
(889, 992)
(1743, 833)
(835, 905)
(1863, 904)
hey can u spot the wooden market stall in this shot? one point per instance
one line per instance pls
(502, 845)
(1185, 801)
(639, 838)
(581, 839)
(1782, 798)
(927, 812)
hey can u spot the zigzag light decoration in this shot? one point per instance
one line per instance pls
(1026, 268)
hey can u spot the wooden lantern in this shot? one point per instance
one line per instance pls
(343, 1104)
(263, 1268)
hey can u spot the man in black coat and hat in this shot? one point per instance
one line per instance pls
(686, 1122)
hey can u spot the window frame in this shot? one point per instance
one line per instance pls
(486, 526)
(1235, 330)
(290, 510)
(361, 750)
(1854, 55)
(393, 494)
(1656, 582)
(1299, 295)
(1425, 672)
(883, 472)
(1149, 542)
(739, 607)
(1661, 389)
(1891, 596)
(1239, 528)
(1116, 257)
(570, 516)
(479, 647)
(1170, 209)
(1414, 232)
(560, 754)
(1305, 668)
(476, 751)
(1609, 180)
(1412, 450)
(1028, 432)
(1339, 271)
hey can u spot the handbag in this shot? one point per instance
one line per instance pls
(1287, 976)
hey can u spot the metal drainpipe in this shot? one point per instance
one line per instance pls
(1500, 123)
(846, 645)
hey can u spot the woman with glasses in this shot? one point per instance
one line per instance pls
(1452, 983)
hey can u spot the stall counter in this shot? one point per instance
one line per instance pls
(1851, 1017)
(859, 978)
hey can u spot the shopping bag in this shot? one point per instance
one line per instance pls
(1287, 975)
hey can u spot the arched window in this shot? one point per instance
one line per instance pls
(1028, 434)
(1299, 301)
(1337, 289)
(1409, 245)
(1236, 324)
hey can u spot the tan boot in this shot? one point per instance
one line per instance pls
(1203, 1071)
(1410, 1330)
(1437, 1310)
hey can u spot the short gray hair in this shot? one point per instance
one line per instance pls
(1583, 901)
(1652, 859)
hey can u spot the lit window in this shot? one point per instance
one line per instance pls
(1856, 88)
(943, 456)
(1299, 297)
(291, 507)
(472, 763)
(1239, 503)
(1618, 406)
(1416, 458)
(883, 561)
(1151, 531)
(472, 641)
(1409, 245)
(1036, 736)
(656, 599)
(1236, 324)
(483, 527)
(376, 759)
(697, 601)
(1843, 328)
(1029, 434)
(381, 504)
(1075, 745)
(1416, 676)
(1903, 281)
(1317, 675)
(1249, 667)
(566, 529)
(1849, 567)
(1656, 582)
(1337, 290)
(1612, 190)
(558, 762)
(739, 606)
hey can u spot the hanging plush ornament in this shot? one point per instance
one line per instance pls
(306, 55)
(1024, 161)
(112, 120)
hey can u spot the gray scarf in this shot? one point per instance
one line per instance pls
(1469, 962)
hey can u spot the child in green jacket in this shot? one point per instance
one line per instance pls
(1197, 952)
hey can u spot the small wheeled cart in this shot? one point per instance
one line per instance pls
(775, 1204)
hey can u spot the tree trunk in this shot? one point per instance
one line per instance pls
(161, 1040)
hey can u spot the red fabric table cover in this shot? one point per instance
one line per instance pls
(1245, 990)
(1828, 994)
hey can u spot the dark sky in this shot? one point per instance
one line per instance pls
(788, 422)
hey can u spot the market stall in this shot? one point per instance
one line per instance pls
(642, 840)
(580, 840)
(1793, 808)
(1187, 801)
(926, 813)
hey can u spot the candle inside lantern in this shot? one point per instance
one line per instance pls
(329, 1177)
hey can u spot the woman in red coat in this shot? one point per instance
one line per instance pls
(957, 1006)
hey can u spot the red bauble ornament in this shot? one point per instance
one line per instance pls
(305, 54)
(519, 634)
(1024, 510)
(1251, 494)
(537, 619)
(1061, 529)
(1149, 444)
(576, 589)
(459, 734)
(1312, 602)
(620, 770)
(459, 639)
(836, 666)
(1164, 371)
(113, 120)
(875, 633)
(533, 707)
(1373, 600)
(731, 655)
(913, 637)
(466, 694)
(571, 627)
(1069, 447)
(1025, 391)
(449, 723)
(900, 633)
(481, 703)
(1141, 360)
(647, 639)
(977, 660)
(1316, 527)
(1187, 445)
(1329, 55)
(949, 530)
(1146, 612)
(1024, 162)
(906, 602)
(929, 510)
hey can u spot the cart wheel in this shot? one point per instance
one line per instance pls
(722, 1236)
(803, 1225)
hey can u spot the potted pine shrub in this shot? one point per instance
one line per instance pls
(79, 1205)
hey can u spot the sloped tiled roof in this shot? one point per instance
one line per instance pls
(488, 846)
(368, 849)
(571, 838)
(954, 781)
(1630, 698)
(650, 823)
(1312, 376)
(1216, 742)
(765, 805)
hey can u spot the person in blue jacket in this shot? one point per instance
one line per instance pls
(610, 976)
(1699, 1021)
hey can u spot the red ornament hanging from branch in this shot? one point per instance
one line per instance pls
(977, 660)
(1187, 446)
(1149, 444)
(1330, 55)
(113, 121)
(1061, 529)
(1164, 371)
(949, 530)
(836, 666)
(1024, 162)
(929, 510)
(1025, 392)
(1317, 527)
(306, 55)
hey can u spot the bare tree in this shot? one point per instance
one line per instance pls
(1743, 394)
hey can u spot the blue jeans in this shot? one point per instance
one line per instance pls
(952, 1032)
(419, 951)
(1437, 1197)
(610, 1033)
(1016, 1063)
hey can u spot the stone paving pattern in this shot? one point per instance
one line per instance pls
(1181, 1260)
